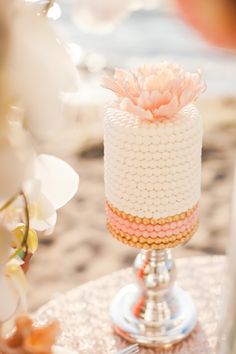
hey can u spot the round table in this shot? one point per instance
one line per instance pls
(84, 311)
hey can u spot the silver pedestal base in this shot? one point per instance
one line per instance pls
(154, 312)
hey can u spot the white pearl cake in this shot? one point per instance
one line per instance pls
(152, 165)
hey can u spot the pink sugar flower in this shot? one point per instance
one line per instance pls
(156, 91)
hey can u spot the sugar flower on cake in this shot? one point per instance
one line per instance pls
(153, 92)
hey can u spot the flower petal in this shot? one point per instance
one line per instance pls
(18, 281)
(44, 224)
(155, 91)
(127, 105)
(113, 85)
(59, 182)
(42, 212)
(168, 109)
(9, 298)
(32, 241)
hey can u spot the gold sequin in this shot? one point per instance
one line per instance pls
(146, 221)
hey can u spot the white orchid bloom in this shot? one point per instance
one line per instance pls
(13, 289)
(9, 298)
(54, 184)
(42, 214)
(40, 71)
(13, 285)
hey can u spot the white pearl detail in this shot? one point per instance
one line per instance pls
(152, 169)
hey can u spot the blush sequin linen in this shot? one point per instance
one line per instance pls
(152, 177)
(84, 316)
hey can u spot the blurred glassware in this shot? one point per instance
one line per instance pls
(100, 16)
(215, 20)
(145, 4)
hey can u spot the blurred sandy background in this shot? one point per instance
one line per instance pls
(80, 248)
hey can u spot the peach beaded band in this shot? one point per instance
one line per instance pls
(152, 233)
(152, 243)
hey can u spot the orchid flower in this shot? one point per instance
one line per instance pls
(54, 184)
(31, 188)
(13, 286)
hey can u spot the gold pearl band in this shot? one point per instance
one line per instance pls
(151, 221)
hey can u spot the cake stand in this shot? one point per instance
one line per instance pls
(154, 311)
(152, 153)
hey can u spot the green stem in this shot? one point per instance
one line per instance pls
(27, 225)
(9, 202)
(16, 253)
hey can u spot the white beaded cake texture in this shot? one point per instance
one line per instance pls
(152, 168)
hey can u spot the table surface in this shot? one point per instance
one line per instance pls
(84, 311)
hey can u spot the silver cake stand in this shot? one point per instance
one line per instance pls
(154, 311)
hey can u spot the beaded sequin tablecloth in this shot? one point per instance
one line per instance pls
(84, 311)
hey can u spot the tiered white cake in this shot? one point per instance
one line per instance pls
(152, 172)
